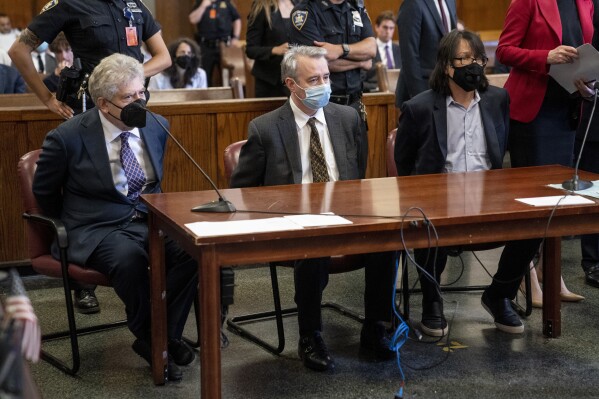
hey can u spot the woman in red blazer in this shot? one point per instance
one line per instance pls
(536, 35)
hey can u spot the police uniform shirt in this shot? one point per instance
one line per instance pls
(217, 20)
(324, 21)
(95, 29)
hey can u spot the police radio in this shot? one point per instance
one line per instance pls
(69, 81)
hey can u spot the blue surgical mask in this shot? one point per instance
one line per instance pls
(316, 96)
(42, 47)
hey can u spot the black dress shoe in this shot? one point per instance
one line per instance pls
(503, 314)
(86, 302)
(374, 339)
(144, 350)
(181, 353)
(592, 276)
(314, 353)
(433, 321)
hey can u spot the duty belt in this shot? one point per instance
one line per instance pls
(345, 99)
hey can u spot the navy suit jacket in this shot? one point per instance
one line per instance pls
(420, 30)
(11, 80)
(271, 155)
(73, 181)
(371, 81)
(421, 142)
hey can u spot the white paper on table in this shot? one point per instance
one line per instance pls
(585, 67)
(212, 229)
(555, 200)
(592, 191)
(318, 220)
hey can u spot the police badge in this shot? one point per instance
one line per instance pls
(299, 18)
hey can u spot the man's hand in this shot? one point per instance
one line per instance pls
(334, 51)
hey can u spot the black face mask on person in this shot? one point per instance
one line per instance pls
(183, 61)
(468, 77)
(133, 114)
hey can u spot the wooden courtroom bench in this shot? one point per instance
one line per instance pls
(204, 127)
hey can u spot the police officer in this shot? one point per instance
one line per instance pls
(343, 28)
(216, 21)
(95, 29)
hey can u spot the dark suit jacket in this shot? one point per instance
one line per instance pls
(371, 81)
(271, 155)
(420, 30)
(74, 181)
(421, 142)
(10, 80)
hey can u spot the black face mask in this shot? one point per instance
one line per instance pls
(133, 114)
(183, 61)
(468, 77)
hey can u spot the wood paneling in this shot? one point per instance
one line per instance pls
(204, 128)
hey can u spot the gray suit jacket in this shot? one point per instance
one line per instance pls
(73, 181)
(420, 30)
(271, 155)
(421, 142)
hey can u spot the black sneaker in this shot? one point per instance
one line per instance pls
(504, 316)
(433, 321)
(181, 353)
(85, 302)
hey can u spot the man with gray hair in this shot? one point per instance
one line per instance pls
(90, 174)
(309, 140)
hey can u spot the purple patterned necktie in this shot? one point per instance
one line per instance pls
(443, 17)
(389, 57)
(133, 171)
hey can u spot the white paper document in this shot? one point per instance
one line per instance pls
(592, 191)
(556, 199)
(292, 222)
(586, 67)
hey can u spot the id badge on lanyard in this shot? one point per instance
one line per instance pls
(130, 31)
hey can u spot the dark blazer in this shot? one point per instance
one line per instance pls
(11, 81)
(261, 39)
(421, 142)
(74, 181)
(420, 30)
(271, 155)
(371, 81)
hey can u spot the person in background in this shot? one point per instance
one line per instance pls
(4, 58)
(44, 62)
(309, 140)
(460, 125)
(8, 35)
(387, 51)
(11, 81)
(94, 29)
(421, 25)
(185, 71)
(267, 40)
(91, 173)
(216, 21)
(536, 35)
(64, 59)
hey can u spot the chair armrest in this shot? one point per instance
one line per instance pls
(56, 224)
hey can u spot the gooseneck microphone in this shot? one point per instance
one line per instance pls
(575, 184)
(219, 206)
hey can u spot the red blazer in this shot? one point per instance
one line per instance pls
(531, 29)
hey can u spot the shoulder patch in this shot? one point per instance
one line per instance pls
(49, 5)
(299, 18)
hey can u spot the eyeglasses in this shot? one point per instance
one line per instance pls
(482, 61)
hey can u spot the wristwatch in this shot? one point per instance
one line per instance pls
(345, 48)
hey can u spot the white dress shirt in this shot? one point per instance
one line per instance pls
(383, 51)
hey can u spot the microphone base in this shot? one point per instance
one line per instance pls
(576, 185)
(220, 206)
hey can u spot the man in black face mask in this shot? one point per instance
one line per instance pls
(460, 125)
(90, 174)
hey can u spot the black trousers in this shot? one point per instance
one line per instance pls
(589, 161)
(123, 257)
(312, 276)
(210, 60)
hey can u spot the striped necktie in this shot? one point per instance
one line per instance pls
(136, 177)
(317, 161)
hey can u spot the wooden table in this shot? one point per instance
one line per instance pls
(465, 208)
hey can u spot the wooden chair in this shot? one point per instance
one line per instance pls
(497, 79)
(41, 232)
(231, 60)
(387, 78)
(339, 264)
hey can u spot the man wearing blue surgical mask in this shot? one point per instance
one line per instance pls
(309, 140)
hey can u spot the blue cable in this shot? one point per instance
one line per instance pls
(400, 335)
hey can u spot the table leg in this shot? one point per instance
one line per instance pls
(552, 271)
(157, 303)
(209, 294)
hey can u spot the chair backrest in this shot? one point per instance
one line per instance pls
(231, 58)
(391, 168)
(231, 158)
(387, 78)
(237, 88)
(497, 79)
(250, 82)
(39, 238)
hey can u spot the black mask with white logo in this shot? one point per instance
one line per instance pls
(468, 77)
(133, 114)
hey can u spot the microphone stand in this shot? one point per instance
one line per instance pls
(219, 206)
(575, 184)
